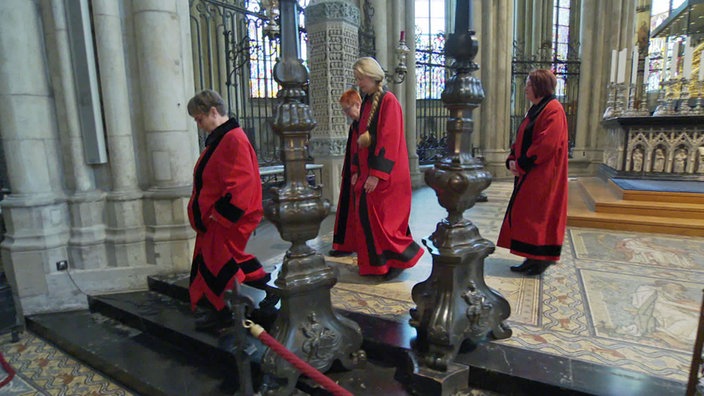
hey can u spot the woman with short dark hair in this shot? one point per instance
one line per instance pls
(343, 240)
(536, 217)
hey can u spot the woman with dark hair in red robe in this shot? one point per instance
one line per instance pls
(536, 217)
(343, 241)
(381, 179)
(224, 209)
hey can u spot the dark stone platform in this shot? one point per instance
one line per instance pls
(146, 341)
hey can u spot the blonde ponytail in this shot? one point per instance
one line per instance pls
(365, 139)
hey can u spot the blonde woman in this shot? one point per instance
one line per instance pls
(381, 180)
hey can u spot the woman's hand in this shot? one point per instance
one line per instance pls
(354, 178)
(370, 183)
(512, 167)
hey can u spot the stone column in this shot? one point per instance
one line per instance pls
(410, 96)
(35, 212)
(86, 249)
(124, 212)
(380, 23)
(496, 31)
(166, 84)
(601, 27)
(332, 50)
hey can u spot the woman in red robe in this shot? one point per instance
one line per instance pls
(536, 217)
(224, 209)
(381, 179)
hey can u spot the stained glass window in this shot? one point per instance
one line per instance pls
(265, 49)
(430, 46)
(560, 42)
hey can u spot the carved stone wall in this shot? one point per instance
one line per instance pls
(672, 146)
(665, 151)
(333, 47)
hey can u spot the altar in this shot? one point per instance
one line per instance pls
(656, 147)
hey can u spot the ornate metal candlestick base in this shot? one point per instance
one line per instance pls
(454, 305)
(306, 323)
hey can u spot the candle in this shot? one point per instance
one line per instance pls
(403, 35)
(701, 66)
(462, 16)
(621, 74)
(634, 69)
(688, 55)
(646, 70)
(614, 58)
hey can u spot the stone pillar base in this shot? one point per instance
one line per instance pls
(169, 237)
(125, 233)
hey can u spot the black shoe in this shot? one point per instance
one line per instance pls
(269, 302)
(339, 253)
(526, 265)
(539, 267)
(212, 319)
(393, 273)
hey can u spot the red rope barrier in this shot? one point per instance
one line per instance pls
(10, 372)
(297, 362)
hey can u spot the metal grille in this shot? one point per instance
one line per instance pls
(235, 49)
(431, 114)
(567, 90)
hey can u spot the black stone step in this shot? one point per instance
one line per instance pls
(142, 362)
(388, 342)
(164, 317)
(176, 286)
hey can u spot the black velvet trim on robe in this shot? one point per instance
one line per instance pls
(216, 284)
(227, 210)
(211, 143)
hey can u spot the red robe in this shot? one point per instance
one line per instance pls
(536, 217)
(343, 236)
(384, 239)
(224, 209)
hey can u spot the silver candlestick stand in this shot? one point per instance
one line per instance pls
(643, 107)
(699, 107)
(610, 102)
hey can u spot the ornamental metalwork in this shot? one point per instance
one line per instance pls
(566, 66)
(235, 45)
(431, 115)
(306, 323)
(454, 305)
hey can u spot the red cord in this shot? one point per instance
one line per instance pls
(10, 372)
(302, 365)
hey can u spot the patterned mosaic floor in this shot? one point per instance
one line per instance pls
(42, 369)
(620, 299)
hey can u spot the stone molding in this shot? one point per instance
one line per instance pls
(327, 146)
(332, 11)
